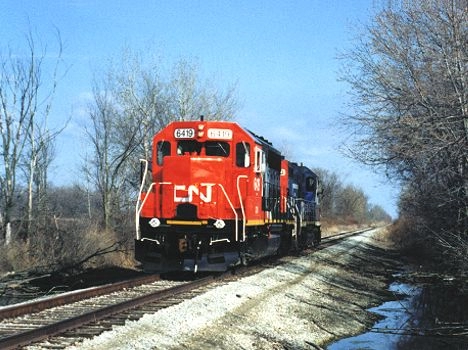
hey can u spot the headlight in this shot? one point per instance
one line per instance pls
(154, 222)
(219, 224)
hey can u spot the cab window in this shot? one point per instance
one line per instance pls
(217, 148)
(208, 148)
(311, 184)
(243, 154)
(163, 150)
(190, 147)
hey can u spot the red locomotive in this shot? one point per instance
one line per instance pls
(216, 195)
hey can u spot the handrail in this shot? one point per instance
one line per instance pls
(241, 204)
(137, 210)
(233, 209)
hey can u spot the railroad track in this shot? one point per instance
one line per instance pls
(63, 320)
(33, 327)
(70, 297)
(333, 239)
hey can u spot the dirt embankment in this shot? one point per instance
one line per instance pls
(303, 304)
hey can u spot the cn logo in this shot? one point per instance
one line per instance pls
(182, 194)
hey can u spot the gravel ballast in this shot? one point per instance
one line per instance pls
(304, 303)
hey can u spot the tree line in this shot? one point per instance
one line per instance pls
(347, 203)
(408, 78)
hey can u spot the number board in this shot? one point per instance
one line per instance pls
(184, 133)
(220, 134)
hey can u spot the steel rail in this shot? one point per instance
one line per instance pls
(346, 234)
(41, 333)
(70, 297)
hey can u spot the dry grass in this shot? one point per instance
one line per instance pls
(14, 257)
(75, 246)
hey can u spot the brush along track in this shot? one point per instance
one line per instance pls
(69, 320)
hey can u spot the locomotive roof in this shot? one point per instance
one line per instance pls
(303, 168)
(263, 141)
(267, 145)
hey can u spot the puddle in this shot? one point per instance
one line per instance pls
(427, 317)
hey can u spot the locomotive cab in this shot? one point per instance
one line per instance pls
(303, 187)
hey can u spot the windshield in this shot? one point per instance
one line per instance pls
(208, 148)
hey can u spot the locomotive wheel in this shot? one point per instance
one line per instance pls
(317, 238)
(295, 245)
(286, 243)
(243, 260)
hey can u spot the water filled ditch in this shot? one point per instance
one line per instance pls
(422, 316)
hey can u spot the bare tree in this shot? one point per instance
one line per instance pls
(409, 77)
(38, 159)
(131, 103)
(189, 97)
(110, 152)
(24, 100)
(330, 185)
(378, 214)
(352, 203)
(141, 96)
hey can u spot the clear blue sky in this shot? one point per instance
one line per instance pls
(282, 54)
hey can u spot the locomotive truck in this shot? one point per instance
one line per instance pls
(215, 195)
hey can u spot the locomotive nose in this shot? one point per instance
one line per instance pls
(196, 186)
(192, 170)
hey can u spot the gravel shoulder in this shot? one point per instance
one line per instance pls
(304, 303)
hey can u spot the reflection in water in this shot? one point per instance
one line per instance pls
(440, 318)
(429, 317)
